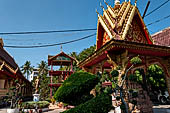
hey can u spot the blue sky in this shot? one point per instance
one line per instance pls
(42, 15)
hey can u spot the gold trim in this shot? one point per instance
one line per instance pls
(114, 43)
(7, 66)
(107, 15)
(144, 25)
(105, 26)
(129, 22)
(123, 6)
(111, 12)
(2, 65)
(124, 15)
(16, 70)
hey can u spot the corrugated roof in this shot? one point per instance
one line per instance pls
(162, 37)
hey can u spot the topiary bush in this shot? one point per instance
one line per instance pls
(99, 104)
(76, 88)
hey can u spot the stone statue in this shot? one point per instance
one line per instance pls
(37, 82)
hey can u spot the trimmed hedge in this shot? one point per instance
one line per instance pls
(32, 104)
(76, 88)
(100, 104)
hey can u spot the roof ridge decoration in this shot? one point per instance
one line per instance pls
(116, 22)
(60, 54)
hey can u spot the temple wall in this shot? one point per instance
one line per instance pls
(144, 104)
(2, 84)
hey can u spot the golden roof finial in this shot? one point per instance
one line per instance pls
(61, 48)
(101, 6)
(117, 2)
(97, 12)
(135, 2)
(106, 3)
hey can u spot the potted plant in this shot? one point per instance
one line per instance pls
(14, 97)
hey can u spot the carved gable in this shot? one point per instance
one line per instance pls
(135, 33)
(106, 38)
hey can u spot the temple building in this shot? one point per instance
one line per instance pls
(9, 71)
(122, 35)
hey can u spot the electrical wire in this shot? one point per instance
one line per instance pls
(157, 8)
(158, 20)
(45, 32)
(48, 45)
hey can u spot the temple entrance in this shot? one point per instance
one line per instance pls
(153, 80)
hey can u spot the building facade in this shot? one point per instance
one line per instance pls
(9, 71)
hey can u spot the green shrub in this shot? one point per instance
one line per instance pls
(32, 104)
(100, 104)
(76, 88)
(136, 60)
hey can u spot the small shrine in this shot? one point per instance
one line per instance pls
(61, 60)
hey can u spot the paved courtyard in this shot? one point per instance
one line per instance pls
(156, 109)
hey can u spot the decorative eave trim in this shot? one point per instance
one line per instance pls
(124, 15)
(145, 28)
(126, 45)
(7, 66)
(97, 32)
(105, 26)
(112, 12)
(109, 18)
(123, 7)
(2, 65)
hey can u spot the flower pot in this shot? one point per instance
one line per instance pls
(31, 111)
(12, 110)
(40, 111)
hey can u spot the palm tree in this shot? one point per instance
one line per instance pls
(43, 67)
(27, 68)
(74, 55)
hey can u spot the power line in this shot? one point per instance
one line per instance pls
(157, 8)
(45, 32)
(62, 43)
(158, 20)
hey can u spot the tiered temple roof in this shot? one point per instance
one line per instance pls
(122, 22)
(122, 27)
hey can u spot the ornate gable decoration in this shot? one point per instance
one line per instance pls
(122, 22)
